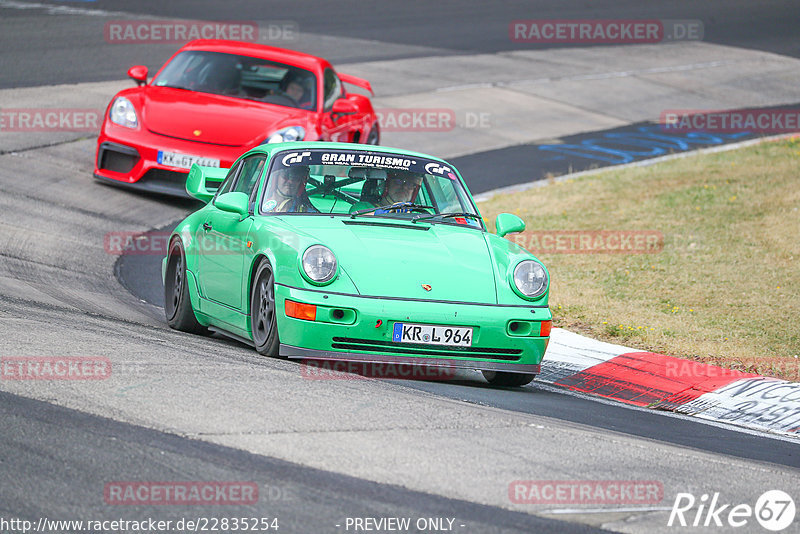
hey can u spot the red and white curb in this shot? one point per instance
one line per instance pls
(664, 382)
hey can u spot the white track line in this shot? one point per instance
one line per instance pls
(61, 10)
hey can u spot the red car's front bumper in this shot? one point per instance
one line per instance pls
(129, 157)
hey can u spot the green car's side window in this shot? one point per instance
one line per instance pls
(227, 183)
(247, 182)
(243, 178)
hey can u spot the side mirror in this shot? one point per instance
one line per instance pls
(234, 202)
(139, 74)
(508, 223)
(343, 107)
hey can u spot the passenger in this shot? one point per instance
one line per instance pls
(222, 75)
(289, 194)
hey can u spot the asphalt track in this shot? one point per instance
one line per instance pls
(136, 273)
(446, 27)
(504, 167)
(40, 439)
(60, 296)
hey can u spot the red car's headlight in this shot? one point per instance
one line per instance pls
(287, 135)
(123, 113)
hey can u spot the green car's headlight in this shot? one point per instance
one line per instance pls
(319, 264)
(530, 278)
(123, 113)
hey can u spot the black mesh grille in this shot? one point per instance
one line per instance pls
(418, 349)
(165, 177)
(117, 161)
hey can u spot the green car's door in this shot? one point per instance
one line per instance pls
(224, 235)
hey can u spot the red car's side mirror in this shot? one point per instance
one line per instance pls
(344, 107)
(341, 108)
(138, 73)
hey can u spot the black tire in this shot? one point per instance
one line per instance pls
(177, 303)
(505, 379)
(374, 137)
(263, 321)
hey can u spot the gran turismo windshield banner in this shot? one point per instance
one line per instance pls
(352, 158)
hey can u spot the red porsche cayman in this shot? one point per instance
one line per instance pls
(214, 100)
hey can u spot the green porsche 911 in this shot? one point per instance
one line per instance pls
(358, 253)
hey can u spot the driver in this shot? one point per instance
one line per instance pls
(295, 86)
(401, 186)
(289, 193)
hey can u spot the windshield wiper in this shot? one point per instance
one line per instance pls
(176, 87)
(446, 216)
(395, 206)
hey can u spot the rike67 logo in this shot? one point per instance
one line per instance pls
(774, 510)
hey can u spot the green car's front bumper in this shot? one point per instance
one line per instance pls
(359, 328)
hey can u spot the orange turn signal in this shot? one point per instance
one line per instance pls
(544, 330)
(298, 310)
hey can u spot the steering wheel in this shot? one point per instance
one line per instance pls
(408, 207)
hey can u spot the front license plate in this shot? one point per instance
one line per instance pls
(428, 334)
(185, 161)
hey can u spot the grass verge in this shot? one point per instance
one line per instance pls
(725, 287)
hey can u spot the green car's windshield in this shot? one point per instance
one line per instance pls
(367, 184)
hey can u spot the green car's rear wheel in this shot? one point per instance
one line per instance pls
(501, 378)
(177, 304)
(262, 311)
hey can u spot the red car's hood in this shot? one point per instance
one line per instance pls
(212, 118)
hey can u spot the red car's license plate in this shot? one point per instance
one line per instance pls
(185, 161)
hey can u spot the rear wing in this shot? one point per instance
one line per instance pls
(203, 182)
(358, 82)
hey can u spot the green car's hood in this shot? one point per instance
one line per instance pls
(393, 258)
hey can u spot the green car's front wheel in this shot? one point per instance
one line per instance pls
(177, 304)
(262, 311)
(501, 378)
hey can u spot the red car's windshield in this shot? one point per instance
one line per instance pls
(240, 77)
